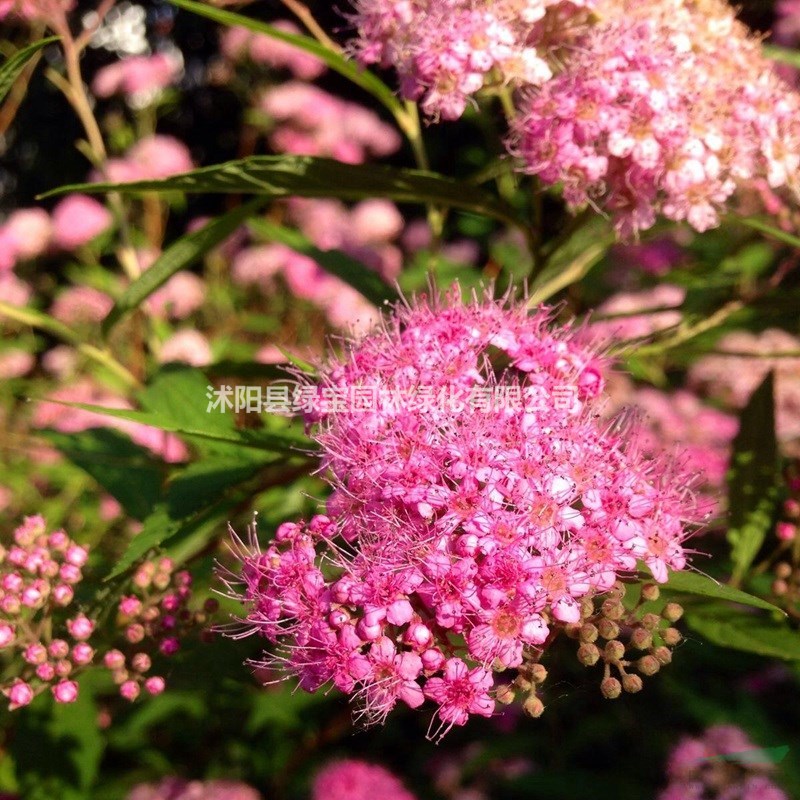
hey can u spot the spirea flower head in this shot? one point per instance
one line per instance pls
(662, 108)
(352, 779)
(446, 50)
(478, 504)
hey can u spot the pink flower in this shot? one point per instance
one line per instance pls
(180, 789)
(12, 289)
(30, 231)
(188, 346)
(155, 685)
(78, 219)
(81, 305)
(182, 295)
(139, 77)
(628, 325)
(151, 158)
(19, 694)
(65, 691)
(459, 693)
(80, 628)
(15, 363)
(357, 780)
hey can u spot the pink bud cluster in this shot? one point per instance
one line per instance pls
(662, 108)
(447, 50)
(155, 617)
(459, 539)
(38, 575)
(722, 764)
(50, 642)
(181, 789)
(352, 779)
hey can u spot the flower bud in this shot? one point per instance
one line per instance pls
(608, 629)
(65, 691)
(155, 685)
(46, 672)
(20, 694)
(780, 588)
(613, 609)
(611, 688)
(63, 668)
(632, 683)
(671, 636)
(672, 612)
(114, 659)
(587, 607)
(82, 654)
(533, 706)
(134, 633)
(7, 635)
(664, 655)
(58, 649)
(80, 628)
(538, 673)
(63, 594)
(588, 633)
(141, 662)
(650, 592)
(130, 606)
(588, 654)
(169, 646)
(641, 639)
(129, 690)
(648, 665)
(505, 694)
(651, 621)
(614, 651)
(783, 570)
(35, 653)
(432, 659)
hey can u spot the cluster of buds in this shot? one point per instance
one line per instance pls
(626, 641)
(50, 641)
(154, 618)
(786, 567)
(38, 573)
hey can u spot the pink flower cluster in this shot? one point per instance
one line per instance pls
(312, 122)
(28, 233)
(151, 158)
(662, 108)
(352, 779)
(50, 641)
(47, 11)
(38, 573)
(181, 789)
(660, 307)
(733, 378)
(237, 43)
(447, 50)
(139, 78)
(722, 764)
(459, 538)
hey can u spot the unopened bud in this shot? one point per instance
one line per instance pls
(664, 655)
(614, 651)
(588, 633)
(573, 630)
(618, 590)
(613, 609)
(672, 612)
(651, 621)
(641, 639)
(671, 636)
(783, 570)
(588, 654)
(650, 592)
(608, 629)
(533, 706)
(505, 694)
(587, 608)
(611, 688)
(538, 673)
(632, 683)
(648, 665)
(780, 588)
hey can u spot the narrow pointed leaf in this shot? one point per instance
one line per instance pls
(702, 586)
(180, 255)
(13, 66)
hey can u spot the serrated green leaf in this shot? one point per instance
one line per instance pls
(702, 586)
(348, 69)
(344, 267)
(13, 66)
(179, 255)
(752, 634)
(754, 479)
(124, 469)
(306, 176)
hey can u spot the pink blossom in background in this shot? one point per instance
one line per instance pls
(8, 250)
(655, 258)
(633, 326)
(181, 789)
(376, 221)
(77, 219)
(786, 29)
(662, 109)
(733, 379)
(258, 265)
(352, 779)
(14, 363)
(60, 361)
(138, 77)
(313, 122)
(151, 158)
(13, 290)
(237, 43)
(270, 354)
(188, 346)
(695, 769)
(81, 305)
(30, 231)
(179, 297)
(72, 420)
(37, 10)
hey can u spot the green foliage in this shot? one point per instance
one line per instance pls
(15, 65)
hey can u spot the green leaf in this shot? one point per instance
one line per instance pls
(353, 72)
(13, 66)
(752, 634)
(125, 470)
(754, 479)
(703, 586)
(179, 255)
(306, 176)
(348, 269)
(770, 230)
